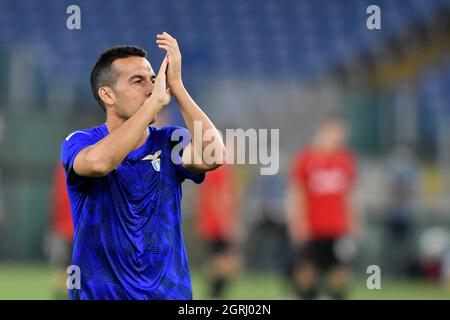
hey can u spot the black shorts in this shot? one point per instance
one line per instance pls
(217, 247)
(321, 253)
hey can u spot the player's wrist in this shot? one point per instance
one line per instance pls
(153, 106)
(177, 87)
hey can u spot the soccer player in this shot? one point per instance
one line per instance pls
(2, 216)
(60, 237)
(124, 179)
(217, 223)
(320, 217)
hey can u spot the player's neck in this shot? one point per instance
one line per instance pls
(327, 148)
(113, 123)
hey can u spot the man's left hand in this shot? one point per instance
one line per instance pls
(167, 42)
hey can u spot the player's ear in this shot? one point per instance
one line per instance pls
(107, 95)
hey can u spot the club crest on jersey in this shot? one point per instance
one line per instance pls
(155, 160)
(156, 164)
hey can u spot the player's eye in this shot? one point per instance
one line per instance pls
(137, 82)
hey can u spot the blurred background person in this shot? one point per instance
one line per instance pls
(434, 255)
(445, 271)
(59, 240)
(2, 213)
(320, 214)
(217, 223)
(266, 224)
(399, 245)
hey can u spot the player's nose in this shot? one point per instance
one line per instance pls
(149, 89)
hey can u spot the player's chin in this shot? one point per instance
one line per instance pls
(143, 102)
(139, 107)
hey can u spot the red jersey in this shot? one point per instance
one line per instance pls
(327, 179)
(217, 205)
(60, 205)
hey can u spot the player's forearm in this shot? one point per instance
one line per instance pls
(292, 221)
(109, 152)
(297, 224)
(192, 113)
(353, 221)
(291, 213)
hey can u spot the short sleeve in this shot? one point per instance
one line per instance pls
(72, 145)
(298, 170)
(179, 138)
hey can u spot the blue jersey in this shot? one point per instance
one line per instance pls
(128, 242)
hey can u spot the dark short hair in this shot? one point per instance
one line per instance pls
(103, 74)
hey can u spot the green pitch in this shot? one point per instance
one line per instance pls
(35, 282)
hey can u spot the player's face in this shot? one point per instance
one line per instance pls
(134, 84)
(336, 134)
(332, 135)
